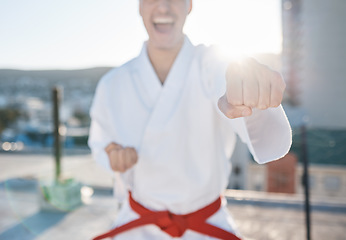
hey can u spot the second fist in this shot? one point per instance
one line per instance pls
(121, 158)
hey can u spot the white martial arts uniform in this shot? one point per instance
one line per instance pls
(183, 141)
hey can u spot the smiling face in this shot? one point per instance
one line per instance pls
(164, 21)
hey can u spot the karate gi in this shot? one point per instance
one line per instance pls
(183, 140)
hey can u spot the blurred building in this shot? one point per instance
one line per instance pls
(313, 65)
(314, 55)
(325, 180)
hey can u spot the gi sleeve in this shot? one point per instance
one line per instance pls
(99, 135)
(267, 133)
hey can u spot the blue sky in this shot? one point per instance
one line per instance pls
(46, 34)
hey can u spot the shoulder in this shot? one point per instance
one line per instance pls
(211, 59)
(115, 76)
(212, 64)
(200, 51)
(210, 54)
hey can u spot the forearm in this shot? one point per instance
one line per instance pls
(97, 142)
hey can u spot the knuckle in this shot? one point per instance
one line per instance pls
(135, 160)
(263, 82)
(134, 156)
(235, 102)
(253, 104)
(126, 151)
(277, 75)
(278, 81)
(263, 103)
(262, 106)
(131, 163)
(111, 147)
(275, 103)
(250, 103)
(277, 96)
(113, 156)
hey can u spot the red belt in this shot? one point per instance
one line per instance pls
(173, 224)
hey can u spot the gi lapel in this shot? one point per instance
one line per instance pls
(146, 82)
(169, 98)
(162, 103)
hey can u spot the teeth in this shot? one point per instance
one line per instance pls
(163, 20)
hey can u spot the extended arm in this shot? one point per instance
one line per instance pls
(255, 92)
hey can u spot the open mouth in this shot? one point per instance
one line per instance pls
(163, 24)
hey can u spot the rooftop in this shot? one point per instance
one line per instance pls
(258, 215)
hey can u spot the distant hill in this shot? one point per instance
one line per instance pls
(54, 75)
(272, 60)
(78, 85)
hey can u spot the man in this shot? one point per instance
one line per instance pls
(165, 123)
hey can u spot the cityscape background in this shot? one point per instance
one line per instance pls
(302, 39)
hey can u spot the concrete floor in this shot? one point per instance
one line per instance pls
(21, 218)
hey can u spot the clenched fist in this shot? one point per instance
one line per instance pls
(250, 85)
(120, 158)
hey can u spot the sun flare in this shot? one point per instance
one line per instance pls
(238, 28)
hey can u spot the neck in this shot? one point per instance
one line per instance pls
(162, 59)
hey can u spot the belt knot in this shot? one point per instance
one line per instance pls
(173, 224)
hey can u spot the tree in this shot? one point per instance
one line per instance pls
(7, 117)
